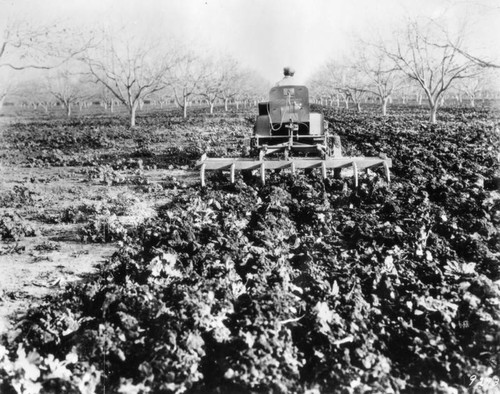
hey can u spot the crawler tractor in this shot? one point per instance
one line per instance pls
(287, 135)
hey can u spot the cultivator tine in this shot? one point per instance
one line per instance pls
(202, 174)
(355, 170)
(337, 146)
(387, 172)
(233, 166)
(323, 170)
(202, 169)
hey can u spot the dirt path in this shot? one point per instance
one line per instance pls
(29, 275)
(52, 254)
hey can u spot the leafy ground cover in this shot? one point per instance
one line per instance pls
(300, 285)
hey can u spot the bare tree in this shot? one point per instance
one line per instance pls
(421, 52)
(349, 81)
(341, 81)
(354, 85)
(68, 88)
(383, 79)
(186, 78)
(226, 80)
(471, 87)
(107, 100)
(211, 84)
(130, 68)
(233, 79)
(475, 87)
(322, 85)
(251, 87)
(330, 82)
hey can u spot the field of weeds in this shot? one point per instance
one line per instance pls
(122, 274)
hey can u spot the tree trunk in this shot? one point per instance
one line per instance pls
(68, 109)
(433, 113)
(358, 107)
(346, 101)
(184, 108)
(2, 100)
(211, 107)
(132, 114)
(385, 100)
(472, 102)
(226, 102)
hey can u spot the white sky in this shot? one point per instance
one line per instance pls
(266, 35)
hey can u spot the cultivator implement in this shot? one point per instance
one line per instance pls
(335, 165)
(287, 136)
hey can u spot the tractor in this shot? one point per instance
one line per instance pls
(287, 135)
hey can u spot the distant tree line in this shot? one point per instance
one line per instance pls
(422, 62)
(119, 69)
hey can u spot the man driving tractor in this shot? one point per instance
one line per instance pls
(288, 79)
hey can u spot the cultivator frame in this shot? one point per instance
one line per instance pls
(285, 127)
(247, 164)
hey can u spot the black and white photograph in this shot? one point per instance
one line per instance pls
(249, 196)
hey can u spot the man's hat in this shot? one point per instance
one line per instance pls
(288, 71)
